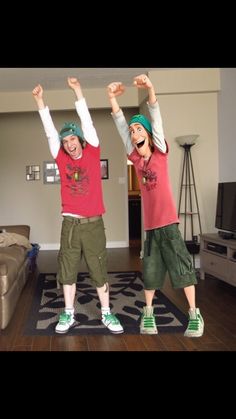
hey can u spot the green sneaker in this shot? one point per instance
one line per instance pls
(112, 323)
(65, 322)
(148, 324)
(195, 327)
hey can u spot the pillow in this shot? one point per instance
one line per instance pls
(8, 239)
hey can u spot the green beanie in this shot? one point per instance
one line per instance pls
(141, 119)
(70, 128)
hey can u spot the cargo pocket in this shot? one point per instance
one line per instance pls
(185, 263)
(102, 258)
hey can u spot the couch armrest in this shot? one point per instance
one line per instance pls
(24, 230)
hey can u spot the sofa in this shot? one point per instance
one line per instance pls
(14, 268)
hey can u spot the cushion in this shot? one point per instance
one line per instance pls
(8, 239)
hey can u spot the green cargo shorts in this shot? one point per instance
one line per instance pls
(82, 239)
(165, 251)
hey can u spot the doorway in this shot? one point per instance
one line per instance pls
(134, 206)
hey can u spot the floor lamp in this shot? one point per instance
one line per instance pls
(188, 201)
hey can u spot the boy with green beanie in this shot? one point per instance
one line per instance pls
(77, 154)
(164, 247)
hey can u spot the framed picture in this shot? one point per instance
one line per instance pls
(32, 172)
(50, 173)
(104, 169)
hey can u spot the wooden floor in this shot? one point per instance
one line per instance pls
(216, 299)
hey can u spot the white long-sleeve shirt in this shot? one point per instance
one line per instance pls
(54, 142)
(157, 128)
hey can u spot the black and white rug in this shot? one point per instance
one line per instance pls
(126, 301)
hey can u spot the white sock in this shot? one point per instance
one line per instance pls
(69, 311)
(105, 310)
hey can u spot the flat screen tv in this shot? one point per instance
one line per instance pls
(226, 207)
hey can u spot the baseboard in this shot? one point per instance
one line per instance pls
(49, 246)
(114, 245)
(56, 246)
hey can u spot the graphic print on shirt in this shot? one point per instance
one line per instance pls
(149, 179)
(77, 180)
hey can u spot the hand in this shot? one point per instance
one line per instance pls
(115, 89)
(142, 82)
(38, 92)
(73, 82)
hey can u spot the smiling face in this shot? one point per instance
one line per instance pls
(140, 139)
(72, 146)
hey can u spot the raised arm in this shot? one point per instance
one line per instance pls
(113, 90)
(88, 129)
(143, 82)
(49, 128)
(38, 96)
(74, 84)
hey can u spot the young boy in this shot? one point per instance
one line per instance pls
(77, 154)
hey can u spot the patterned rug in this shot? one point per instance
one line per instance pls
(126, 300)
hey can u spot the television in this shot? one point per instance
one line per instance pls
(226, 208)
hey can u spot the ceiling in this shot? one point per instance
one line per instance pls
(24, 79)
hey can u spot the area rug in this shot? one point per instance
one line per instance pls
(126, 301)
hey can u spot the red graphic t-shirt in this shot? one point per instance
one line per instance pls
(159, 207)
(81, 185)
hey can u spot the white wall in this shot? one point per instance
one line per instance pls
(189, 105)
(227, 125)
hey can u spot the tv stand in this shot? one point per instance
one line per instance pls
(227, 236)
(218, 258)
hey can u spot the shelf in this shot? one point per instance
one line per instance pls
(134, 193)
(188, 213)
(218, 258)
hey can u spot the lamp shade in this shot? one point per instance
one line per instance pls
(187, 139)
